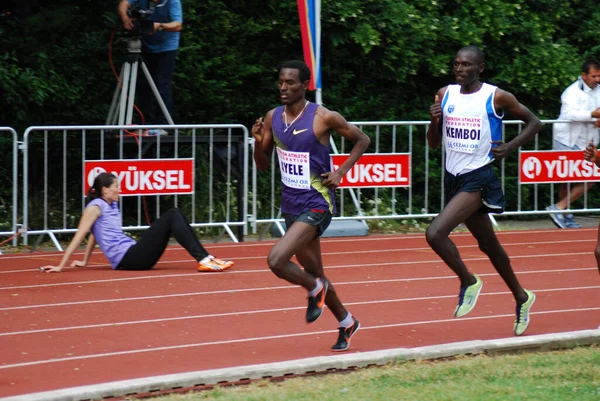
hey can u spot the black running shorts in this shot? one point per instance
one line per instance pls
(483, 179)
(315, 217)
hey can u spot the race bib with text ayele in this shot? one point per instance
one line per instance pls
(295, 168)
(463, 134)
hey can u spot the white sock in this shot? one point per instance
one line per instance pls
(206, 259)
(316, 290)
(348, 321)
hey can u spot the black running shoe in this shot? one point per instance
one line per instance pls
(316, 304)
(346, 333)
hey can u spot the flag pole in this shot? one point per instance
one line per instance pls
(318, 95)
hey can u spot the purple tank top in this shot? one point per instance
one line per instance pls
(108, 233)
(302, 160)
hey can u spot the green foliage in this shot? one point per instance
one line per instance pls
(381, 60)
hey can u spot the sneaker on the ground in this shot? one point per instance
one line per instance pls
(557, 218)
(522, 320)
(467, 298)
(316, 304)
(570, 221)
(212, 264)
(157, 132)
(346, 333)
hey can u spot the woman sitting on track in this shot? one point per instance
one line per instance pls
(102, 219)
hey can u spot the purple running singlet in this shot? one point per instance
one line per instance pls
(302, 160)
(108, 233)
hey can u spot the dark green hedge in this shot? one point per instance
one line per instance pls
(381, 60)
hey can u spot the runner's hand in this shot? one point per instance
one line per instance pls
(51, 269)
(331, 179)
(78, 263)
(501, 151)
(257, 130)
(436, 109)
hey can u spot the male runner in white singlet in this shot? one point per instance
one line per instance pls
(467, 119)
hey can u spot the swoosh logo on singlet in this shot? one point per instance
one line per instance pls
(299, 131)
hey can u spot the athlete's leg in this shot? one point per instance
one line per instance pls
(458, 209)
(311, 259)
(147, 251)
(481, 227)
(154, 241)
(568, 197)
(173, 222)
(297, 236)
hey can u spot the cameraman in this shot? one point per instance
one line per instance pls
(159, 49)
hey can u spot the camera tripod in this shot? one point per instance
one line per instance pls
(121, 108)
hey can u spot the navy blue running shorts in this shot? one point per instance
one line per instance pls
(483, 179)
(315, 217)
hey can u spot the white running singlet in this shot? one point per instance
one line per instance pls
(469, 125)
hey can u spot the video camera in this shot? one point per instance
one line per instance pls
(141, 25)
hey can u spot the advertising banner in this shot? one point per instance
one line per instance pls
(376, 170)
(144, 176)
(554, 166)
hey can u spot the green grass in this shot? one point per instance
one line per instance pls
(544, 376)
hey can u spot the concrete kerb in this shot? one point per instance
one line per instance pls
(312, 365)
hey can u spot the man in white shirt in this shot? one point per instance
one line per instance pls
(580, 103)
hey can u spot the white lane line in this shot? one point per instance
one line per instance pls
(323, 241)
(282, 287)
(261, 311)
(276, 337)
(266, 270)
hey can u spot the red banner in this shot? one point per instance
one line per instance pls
(376, 170)
(144, 177)
(548, 166)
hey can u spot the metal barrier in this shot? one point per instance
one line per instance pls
(53, 183)
(424, 198)
(9, 213)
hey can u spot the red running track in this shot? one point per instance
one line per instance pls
(94, 325)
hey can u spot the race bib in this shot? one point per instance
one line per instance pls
(295, 168)
(463, 134)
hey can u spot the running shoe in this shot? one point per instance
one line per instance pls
(570, 221)
(522, 320)
(346, 333)
(316, 303)
(212, 264)
(557, 218)
(467, 298)
(156, 132)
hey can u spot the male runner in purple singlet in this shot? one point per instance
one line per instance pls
(300, 130)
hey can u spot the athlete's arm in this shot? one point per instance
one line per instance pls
(89, 217)
(330, 120)
(263, 141)
(88, 252)
(434, 133)
(509, 103)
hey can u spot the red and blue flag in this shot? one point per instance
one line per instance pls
(310, 28)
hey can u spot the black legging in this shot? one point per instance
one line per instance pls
(152, 244)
